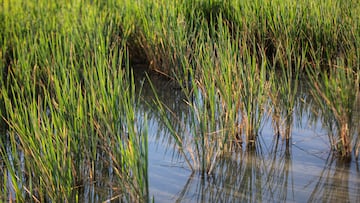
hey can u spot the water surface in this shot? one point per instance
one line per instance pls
(306, 171)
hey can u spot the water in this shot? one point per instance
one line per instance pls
(270, 174)
(304, 172)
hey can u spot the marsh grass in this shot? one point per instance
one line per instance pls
(226, 98)
(253, 91)
(161, 34)
(69, 98)
(284, 91)
(66, 96)
(336, 91)
(235, 61)
(200, 146)
(60, 147)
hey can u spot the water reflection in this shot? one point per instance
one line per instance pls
(247, 176)
(335, 183)
(97, 182)
(272, 172)
(263, 175)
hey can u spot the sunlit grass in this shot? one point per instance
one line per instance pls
(69, 98)
(285, 81)
(67, 92)
(335, 91)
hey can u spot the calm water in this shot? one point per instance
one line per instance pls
(304, 172)
(272, 173)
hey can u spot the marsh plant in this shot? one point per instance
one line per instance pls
(285, 81)
(67, 91)
(336, 91)
(59, 134)
(69, 98)
(225, 93)
(230, 71)
(161, 34)
(253, 90)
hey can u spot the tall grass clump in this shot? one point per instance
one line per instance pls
(201, 138)
(292, 35)
(336, 91)
(238, 50)
(225, 94)
(160, 34)
(253, 90)
(69, 103)
(203, 44)
(284, 91)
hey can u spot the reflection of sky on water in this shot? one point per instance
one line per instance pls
(303, 173)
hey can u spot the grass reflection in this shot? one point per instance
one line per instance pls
(335, 174)
(247, 176)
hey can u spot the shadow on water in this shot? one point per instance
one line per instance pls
(272, 172)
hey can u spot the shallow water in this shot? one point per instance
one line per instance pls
(304, 172)
(269, 174)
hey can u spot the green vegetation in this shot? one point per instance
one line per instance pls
(69, 103)
(336, 91)
(68, 100)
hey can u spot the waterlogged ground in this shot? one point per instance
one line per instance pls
(302, 173)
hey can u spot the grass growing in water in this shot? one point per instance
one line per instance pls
(60, 70)
(226, 98)
(70, 104)
(284, 88)
(238, 50)
(336, 91)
